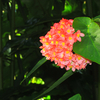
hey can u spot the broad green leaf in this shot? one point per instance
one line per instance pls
(89, 47)
(40, 62)
(97, 18)
(75, 97)
(59, 81)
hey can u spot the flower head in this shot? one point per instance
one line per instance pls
(57, 46)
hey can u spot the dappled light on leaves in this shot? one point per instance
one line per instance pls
(35, 80)
(58, 45)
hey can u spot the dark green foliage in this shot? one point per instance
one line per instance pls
(33, 19)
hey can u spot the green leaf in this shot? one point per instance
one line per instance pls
(40, 62)
(97, 18)
(89, 47)
(75, 97)
(59, 81)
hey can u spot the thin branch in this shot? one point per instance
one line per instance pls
(12, 36)
(1, 67)
(89, 8)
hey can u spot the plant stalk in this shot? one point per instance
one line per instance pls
(1, 67)
(89, 11)
(12, 36)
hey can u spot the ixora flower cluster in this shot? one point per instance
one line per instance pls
(58, 44)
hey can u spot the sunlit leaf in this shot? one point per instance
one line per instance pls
(67, 8)
(75, 97)
(18, 34)
(40, 62)
(90, 45)
(16, 6)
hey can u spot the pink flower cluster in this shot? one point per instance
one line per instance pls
(58, 45)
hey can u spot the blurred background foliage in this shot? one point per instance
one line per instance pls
(22, 22)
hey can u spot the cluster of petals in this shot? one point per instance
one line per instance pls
(57, 46)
